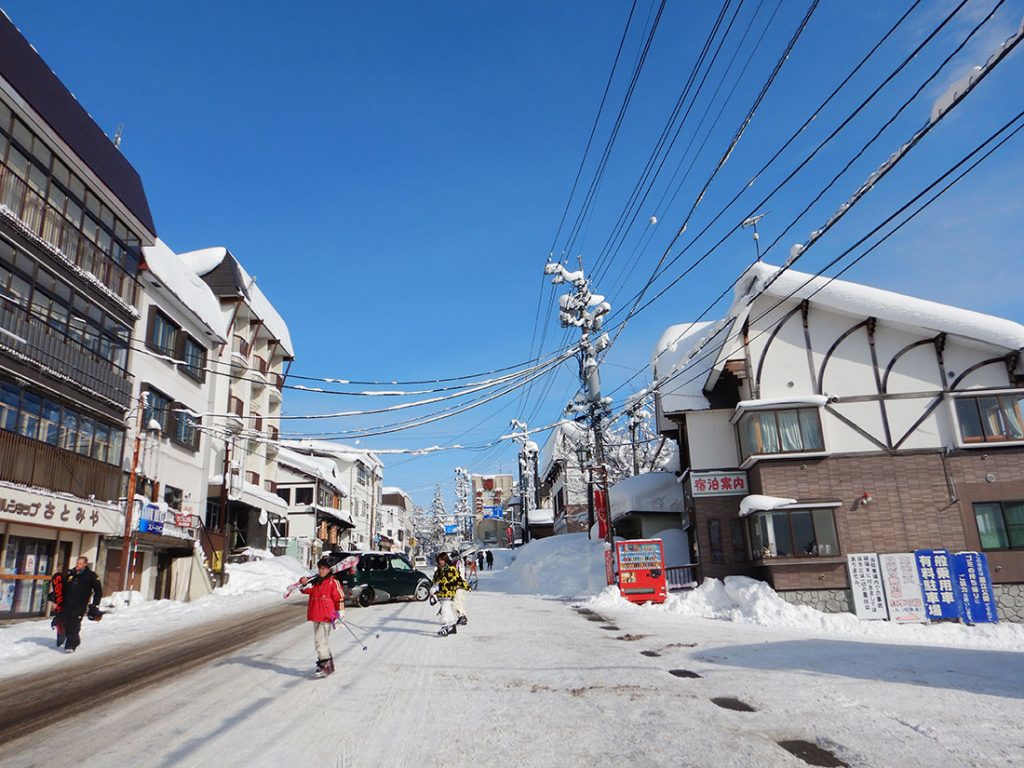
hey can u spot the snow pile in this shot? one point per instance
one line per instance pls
(758, 503)
(748, 601)
(649, 492)
(272, 574)
(570, 565)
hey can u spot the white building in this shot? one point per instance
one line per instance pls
(246, 403)
(180, 329)
(362, 473)
(823, 417)
(396, 513)
(563, 486)
(314, 492)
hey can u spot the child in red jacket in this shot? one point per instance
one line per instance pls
(325, 608)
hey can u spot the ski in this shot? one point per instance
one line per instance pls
(338, 567)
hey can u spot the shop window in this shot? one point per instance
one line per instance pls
(794, 430)
(1000, 524)
(715, 538)
(793, 533)
(991, 418)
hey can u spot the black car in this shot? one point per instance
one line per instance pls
(381, 576)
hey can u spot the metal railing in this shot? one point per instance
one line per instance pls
(31, 462)
(46, 222)
(681, 577)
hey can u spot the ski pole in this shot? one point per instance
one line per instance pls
(354, 636)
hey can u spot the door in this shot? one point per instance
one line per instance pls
(112, 574)
(403, 576)
(31, 561)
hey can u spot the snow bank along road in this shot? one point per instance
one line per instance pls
(534, 682)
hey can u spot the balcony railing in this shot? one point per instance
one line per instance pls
(235, 406)
(240, 346)
(31, 462)
(41, 345)
(45, 222)
(278, 381)
(257, 422)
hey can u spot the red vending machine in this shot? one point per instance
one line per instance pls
(641, 570)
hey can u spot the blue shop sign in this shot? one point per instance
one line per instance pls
(975, 585)
(939, 584)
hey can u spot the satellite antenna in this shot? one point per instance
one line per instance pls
(751, 223)
(118, 135)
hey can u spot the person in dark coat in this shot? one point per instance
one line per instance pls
(480, 560)
(490, 560)
(80, 584)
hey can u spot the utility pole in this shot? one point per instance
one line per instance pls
(636, 416)
(130, 501)
(225, 525)
(585, 310)
(528, 485)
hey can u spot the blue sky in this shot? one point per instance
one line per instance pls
(393, 174)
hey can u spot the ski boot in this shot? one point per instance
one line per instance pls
(321, 668)
(329, 666)
(462, 620)
(449, 629)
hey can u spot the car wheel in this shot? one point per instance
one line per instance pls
(366, 598)
(422, 591)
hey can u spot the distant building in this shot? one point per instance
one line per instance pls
(362, 473)
(314, 491)
(563, 486)
(488, 495)
(396, 527)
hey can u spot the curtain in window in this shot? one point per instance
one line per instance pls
(810, 429)
(789, 431)
(990, 526)
(990, 416)
(1012, 418)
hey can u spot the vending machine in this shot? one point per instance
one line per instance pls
(641, 570)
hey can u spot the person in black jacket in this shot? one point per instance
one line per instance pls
(79, 584)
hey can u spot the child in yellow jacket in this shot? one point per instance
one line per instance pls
(447, 581)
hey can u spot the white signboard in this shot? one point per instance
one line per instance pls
(24, 505)
(719, 483)
(902, 587)
(866, 585)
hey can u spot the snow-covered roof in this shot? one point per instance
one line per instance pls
(561, 444)
(335, 450)
(672, 353)
(207, 259)
(541, 516)
(650, 492)
(758, 503)
(195, 296)
(314, 466)
(896, 309)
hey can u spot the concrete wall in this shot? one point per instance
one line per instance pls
(712, 439)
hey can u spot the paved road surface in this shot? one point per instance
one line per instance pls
(533, 682)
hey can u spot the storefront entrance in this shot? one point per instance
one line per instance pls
(31, 563)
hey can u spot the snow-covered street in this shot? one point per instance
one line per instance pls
(545, 681)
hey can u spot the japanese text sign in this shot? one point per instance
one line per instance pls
(938, 584)
(23, 505)
(978, 602)
(903, 593)
(866, 586)
(719, 484)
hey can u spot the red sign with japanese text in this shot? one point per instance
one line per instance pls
(641, 566)
(601, 513)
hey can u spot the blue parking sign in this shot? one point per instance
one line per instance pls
(939, 584)
(975, 584)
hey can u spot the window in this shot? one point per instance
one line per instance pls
(253, 478)
(400, 564)
(158, 407)
(100, 442)
(162, 333)
(285, 494)
(185, 433)
(1000, 524)
(10, 397)
(793, 533)
(194, 355)
(739, 541)
(85, 427)
(715, 537)
(990, 418)
(362, 476)
(31, 405)
(303, 496)
(794, 430)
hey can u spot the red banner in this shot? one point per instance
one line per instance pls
(601, 512)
